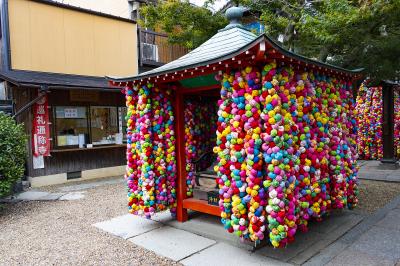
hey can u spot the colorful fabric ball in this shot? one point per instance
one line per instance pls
(397, 121)
(286, 146)
(151, 166)
(369, 108)
(200, 126)
(286, 150)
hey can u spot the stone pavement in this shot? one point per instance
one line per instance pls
(370, 170)
(344, 238)
(66, 192)
(375, 241)
(35, 195)
(203, 241)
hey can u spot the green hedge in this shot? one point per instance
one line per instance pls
(12, 153)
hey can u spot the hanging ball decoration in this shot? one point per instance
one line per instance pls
(285, 140)
(286, 151)
(199, 136)
(369, 108)
(151, 163)
(397, 121)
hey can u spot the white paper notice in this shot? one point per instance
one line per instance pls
(38, 162)
(70, 113)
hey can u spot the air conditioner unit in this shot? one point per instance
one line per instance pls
(149, 52)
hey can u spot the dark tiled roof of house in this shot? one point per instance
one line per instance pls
(26, 78)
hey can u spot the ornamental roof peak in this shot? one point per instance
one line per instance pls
(234, 15)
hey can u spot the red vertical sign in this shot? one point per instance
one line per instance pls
(40, 129)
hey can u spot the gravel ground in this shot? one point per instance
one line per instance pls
(61, 232)
(376, 194)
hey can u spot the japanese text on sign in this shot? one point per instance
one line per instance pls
(70, 113)
(40, 129)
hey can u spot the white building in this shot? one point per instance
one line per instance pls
(127, 8)
(120, 8)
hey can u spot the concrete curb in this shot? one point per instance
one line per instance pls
(329, 253)
(386, 179)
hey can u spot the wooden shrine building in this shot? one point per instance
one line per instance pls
(193, 76)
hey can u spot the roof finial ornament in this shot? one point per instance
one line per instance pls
(234, 14)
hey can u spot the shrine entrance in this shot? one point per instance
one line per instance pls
(284, 143)
(196, 119)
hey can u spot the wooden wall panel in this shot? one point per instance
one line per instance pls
(62, 97)
(54, 39)
(68, 161)
(85, 159)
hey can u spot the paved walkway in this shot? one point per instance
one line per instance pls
(203, 241)
(371, 170)
(66, 192)
(60, 232)
(344, 238)
(375, 241)
(36, 195)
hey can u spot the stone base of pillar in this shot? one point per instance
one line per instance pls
(389, 164)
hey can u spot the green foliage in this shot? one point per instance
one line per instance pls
(185, 24)
(12, 153)
(348, 33)
(359, 34)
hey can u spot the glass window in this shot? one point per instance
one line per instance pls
(122, 113)
(104, 125)
(79, 125)
(71, 126)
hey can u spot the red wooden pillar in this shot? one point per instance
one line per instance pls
(181, 213)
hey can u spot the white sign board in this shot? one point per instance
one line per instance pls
(70, 113)
(38, 162)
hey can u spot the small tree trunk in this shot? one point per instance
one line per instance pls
(323, 54)
(288, 37)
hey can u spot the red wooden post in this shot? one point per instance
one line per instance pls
(181, 213)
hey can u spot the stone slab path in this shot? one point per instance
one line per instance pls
(34, 195)
(203, 241)
(372, 171)
(67, 192)
(128, 226)
(375, 241)
(94, 184)
(172, 243)
(225, 254)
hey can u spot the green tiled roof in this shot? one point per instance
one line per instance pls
(229, 42)
(225, 42)
(222, 43)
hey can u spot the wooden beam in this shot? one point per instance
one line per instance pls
(201, 206)
(245, 59)
(186, 75)
(261, 51)
(181, 213)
